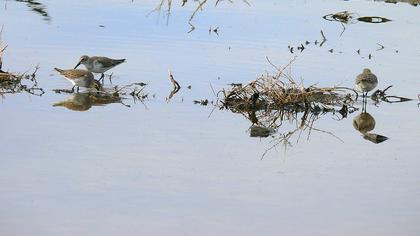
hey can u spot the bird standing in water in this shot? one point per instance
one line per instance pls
(98, 64)
(366, 81)
(80, 78)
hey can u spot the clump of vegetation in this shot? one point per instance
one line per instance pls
(278, 106)
(11, 83)
(281, 92)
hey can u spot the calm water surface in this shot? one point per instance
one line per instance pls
(170, 169)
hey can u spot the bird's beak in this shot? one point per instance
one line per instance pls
(78, 64)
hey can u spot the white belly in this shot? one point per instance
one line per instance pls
(97, 67)
(80, 82)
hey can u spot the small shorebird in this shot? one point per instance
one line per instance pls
(98, 64)
(366, 81)
(80, 78)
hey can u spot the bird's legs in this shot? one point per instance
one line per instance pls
(364, 102)
(72, 89)
(102, 77)
(110, 78)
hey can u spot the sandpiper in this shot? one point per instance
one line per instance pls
(80, 78)
(98, 64)
(366, 81)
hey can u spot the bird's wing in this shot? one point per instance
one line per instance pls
(108, 62)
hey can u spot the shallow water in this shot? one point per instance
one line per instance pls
(175, 168)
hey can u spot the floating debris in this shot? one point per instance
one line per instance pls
(348, 17)
(411, 2)
(343, 17)
(261, 132)
(204, 102)
(176, 85)
(375, 138)
(373, 19)
(380, 95)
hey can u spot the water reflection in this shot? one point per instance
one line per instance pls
(166, 7)
(85, 101)
(365, 123)
(411, 2)
(37, 7)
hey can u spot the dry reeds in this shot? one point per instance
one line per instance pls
(277, 102)
(281, 92)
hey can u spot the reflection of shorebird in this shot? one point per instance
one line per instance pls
(364, 123)
(76, 102)
(98, 64)
(84, 101)
(80, 78)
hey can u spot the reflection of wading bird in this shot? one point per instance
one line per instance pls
(76, 102)
(98, 64)
(85, 100)
(365, 123)
(80, 78)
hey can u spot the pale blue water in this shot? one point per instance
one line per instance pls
(169, 169)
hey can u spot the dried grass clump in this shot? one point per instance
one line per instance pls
(11, 83)
(282, 92)
(278, 106)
